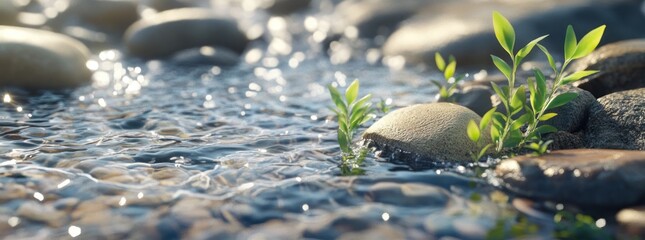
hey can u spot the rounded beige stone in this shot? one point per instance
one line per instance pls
(37, 59)
(434, 131)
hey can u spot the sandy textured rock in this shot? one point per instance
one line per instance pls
(589, 177)
(618, 121)
(38, 59)
(434, 131)
(621, 66)
(168, 32)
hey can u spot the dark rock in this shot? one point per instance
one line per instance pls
(434, 131)
(465, 29)
(621, 66)
(618, 122)
(9, 10)
(168, 32)
(206, 56)
(284, 7)
(586, 177)
(573, 116)
(114, 15)
(372, 18)
(564, 140)
(163, 5)
(38, 59)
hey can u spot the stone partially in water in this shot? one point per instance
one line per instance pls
(435, 131)
(168, 32)
(572, 117)
(618, 122)
(38, 59)
(587, 177)
(621, 66)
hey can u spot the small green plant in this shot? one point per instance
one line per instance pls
(506, 130)
(475, 131)
(539, 148)
(383, 105)
(577, 226)
(352, 112)
(447, 90)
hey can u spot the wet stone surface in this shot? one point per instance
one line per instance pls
(587, 177)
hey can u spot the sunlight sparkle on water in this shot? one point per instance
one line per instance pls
(39, 196)
(74, 231)
(13, 221)
(140, 195)
(123, 201)
(601, 222)
(385, 216)
(64, 183)
(6, 98)
(305, 207)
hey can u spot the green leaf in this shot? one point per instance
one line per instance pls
(499, 92)
(548, 116)
(494, 134)
(540, 80)
(437, 83)
(335, 97)
(450, 70)
(444, 93)
(570, 43)
(352, 92)
(518, 98)
(483, 151)
(438, 59)
(562, 99)
(342, 141)
(577, 76)
(502, 66)
(363, 101)
(504, 32)
(486, 118)
(473, 131)
(589, 42)
(544, 129)
(521, 121)
(528, 48)
(548, 57)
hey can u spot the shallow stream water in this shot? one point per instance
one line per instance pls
(152, 150)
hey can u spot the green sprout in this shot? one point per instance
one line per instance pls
(539, 148)
(475, 131)
(383, 105)
(352, 112)
(506, 130)
(447, 90)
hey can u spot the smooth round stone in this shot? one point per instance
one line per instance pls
(373, 17)
(284, 7)
(618, 122)
(163, 5)
(111, 14)
(632, 222)
(586, 177)
(168, 32)
(434, 132)
(621, 66)
(38, 59)
(572, 117)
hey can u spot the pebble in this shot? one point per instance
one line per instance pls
(586, 177)
(632, 222)
(171, 31)
(38, 59)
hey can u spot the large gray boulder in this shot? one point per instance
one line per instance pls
(587, 177)
(170, 31)
(618, 122)
(115, 15)
(621, 66)
(430, 132)
(464, 28)
(37, 59)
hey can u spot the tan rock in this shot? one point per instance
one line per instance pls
(38, 59)
(434, 131)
